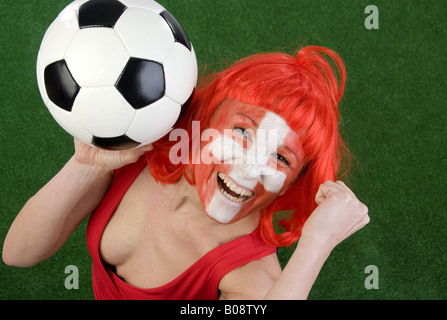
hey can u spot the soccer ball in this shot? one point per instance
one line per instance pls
(116, 74)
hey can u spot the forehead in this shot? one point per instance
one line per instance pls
(229, 108)
(261, 117)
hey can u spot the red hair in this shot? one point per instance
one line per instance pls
(305, 90)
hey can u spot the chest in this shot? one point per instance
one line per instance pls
(152, 237)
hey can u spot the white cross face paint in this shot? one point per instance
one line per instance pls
(252, 163)
(246, 174)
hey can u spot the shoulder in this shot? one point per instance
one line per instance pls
(133, 168)
(251, 281)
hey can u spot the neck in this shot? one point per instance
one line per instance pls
(187, 200)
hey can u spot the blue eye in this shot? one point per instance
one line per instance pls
(242, 131)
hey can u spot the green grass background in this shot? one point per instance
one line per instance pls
(394, 113)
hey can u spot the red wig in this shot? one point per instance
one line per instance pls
(305, 90)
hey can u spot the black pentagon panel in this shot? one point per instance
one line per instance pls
(142, 82)
(61, 87)
(116, 143)
(179, 34)
(100, 13)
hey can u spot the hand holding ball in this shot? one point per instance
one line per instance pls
(116, 74)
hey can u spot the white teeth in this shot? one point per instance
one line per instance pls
(243, 193)
(234, 199)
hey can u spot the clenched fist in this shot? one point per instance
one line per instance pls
(339, 214)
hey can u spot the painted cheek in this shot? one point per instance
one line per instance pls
(274, 182)
(206, 180)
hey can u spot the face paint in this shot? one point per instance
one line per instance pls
(247, 173)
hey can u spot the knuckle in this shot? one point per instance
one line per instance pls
(340, 182)
(367, 219)
(363, 209)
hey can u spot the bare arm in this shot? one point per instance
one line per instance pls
(52, 214)
(338, 215)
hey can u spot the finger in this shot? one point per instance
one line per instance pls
(323, 191)
(340, 186)
(134, 154)
(330, 188)
(147, 147)
(341, 183)
(345, 188)
(320, 196)
(365, 220)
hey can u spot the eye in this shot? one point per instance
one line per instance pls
(243, 132)
(281, 158)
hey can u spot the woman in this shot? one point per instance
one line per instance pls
(203, 228)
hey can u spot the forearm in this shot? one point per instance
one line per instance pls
(338, 215)
(301, 271)
(49, 217)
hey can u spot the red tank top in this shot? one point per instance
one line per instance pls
(200, 281)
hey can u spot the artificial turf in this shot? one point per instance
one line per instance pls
(394, 114)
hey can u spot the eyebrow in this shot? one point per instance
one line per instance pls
(249, 118)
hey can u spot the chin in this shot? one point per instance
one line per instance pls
(228, 201)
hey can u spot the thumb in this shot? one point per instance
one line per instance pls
(320, 197)
(132, 155)
(323, 191)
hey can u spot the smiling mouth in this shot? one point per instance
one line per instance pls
(231, 190)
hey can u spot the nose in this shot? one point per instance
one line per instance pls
(255, 166)
(252, 170)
